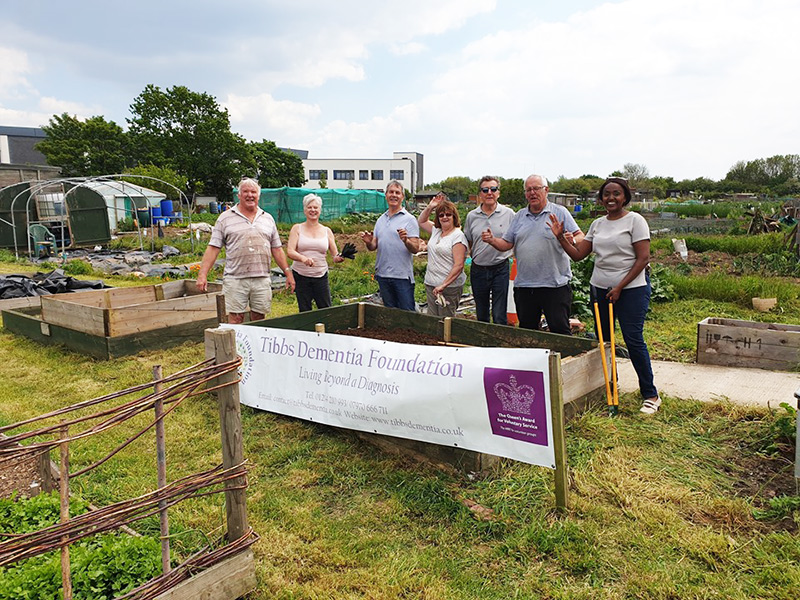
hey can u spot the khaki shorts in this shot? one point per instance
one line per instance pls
(255, 291)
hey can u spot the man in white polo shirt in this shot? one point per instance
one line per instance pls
(250, 238)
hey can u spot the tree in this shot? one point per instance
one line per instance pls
(188, 132)
(638, 176)
(84, 148)
(153, 177)
(584, 186)
(275, 167)
(512, 192)
(323, 180)
(457, 188)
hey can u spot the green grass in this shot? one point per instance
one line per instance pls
(696, 502)
(661, 507)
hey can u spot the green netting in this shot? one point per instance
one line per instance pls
(286, 204)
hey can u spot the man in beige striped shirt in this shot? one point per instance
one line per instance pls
(250, 238)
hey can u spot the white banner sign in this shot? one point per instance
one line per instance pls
(492, 400)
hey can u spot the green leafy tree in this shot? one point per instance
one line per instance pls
(188, 132)
(456, 188)
(153, 176)
(512, 192)
(275, 167)
(84, 148)
(584, 186)
(323, 181)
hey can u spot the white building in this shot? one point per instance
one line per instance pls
(365, 173)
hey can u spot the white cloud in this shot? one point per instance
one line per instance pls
(267, 118)
(687, 88)
(14, 66)
(53, 106)
(408, 49)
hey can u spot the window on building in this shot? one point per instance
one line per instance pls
(377, 174)
(363, 175)
(318, 174)
(398, 175)
(344, 175)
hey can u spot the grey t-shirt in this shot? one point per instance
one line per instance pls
(612, 243)
(476, 223)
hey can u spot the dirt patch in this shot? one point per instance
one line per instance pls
(19, 476)
(701, 263)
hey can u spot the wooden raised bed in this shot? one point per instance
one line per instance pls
(733, 343)
(581, 366)
(121, 321)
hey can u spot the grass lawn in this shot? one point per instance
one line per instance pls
(698, 501)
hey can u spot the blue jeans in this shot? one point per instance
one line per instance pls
(490, 288)
(397, 293)
(630, 310)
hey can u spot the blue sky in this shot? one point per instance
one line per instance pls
(507, 87)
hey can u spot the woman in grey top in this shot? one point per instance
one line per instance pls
(621, 243)
(447, 253)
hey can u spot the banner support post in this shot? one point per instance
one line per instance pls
(559, 439)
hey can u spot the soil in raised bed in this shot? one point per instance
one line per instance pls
(404, 336)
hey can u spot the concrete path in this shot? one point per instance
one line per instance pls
(708, 383)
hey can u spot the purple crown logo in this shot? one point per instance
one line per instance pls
(515, 398)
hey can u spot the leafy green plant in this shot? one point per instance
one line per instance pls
(103, 566)
(779, 508)
(78, 267)
(662, 289)
(31, 514)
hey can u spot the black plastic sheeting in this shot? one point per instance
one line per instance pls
(43, 284)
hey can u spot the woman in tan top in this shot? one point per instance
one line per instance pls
(309, 244)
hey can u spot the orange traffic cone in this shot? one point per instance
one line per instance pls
(511, 311)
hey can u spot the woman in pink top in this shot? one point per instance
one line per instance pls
(309, 244)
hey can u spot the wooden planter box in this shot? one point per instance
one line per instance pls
(733, 343)
(120, 321)
(581, 366)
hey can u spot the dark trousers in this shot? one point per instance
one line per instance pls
(397, 293)
(630, 310)
(312, 288)
(490, 291)
(554, 302)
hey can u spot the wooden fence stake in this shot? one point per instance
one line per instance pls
(362, 314)
(63, 488)
(448, 329)
(161, 462)
(319, 327)
(223, 342)
(559, 439)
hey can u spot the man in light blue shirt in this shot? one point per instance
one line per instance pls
(543, 269)
(396, 238)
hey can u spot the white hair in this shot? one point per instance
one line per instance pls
(541, 177)
(309, 198)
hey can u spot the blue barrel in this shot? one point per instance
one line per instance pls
(166, 208)
(213, 207)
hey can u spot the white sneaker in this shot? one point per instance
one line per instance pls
(650, 405)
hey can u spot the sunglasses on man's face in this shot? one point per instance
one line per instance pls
(486, 190)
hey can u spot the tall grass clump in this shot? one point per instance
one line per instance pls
(767, 243)
(737, 289)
